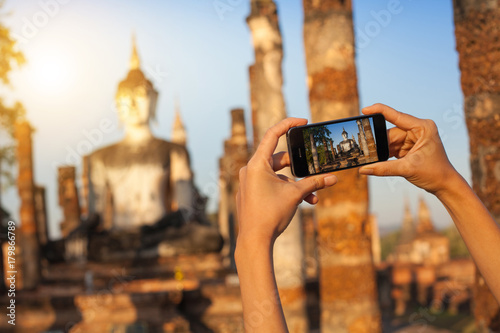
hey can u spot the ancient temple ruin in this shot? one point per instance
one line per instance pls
(138, 252)
(420, 267)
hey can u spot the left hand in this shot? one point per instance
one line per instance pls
(266, 201)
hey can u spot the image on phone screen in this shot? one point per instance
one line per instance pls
(340, 145)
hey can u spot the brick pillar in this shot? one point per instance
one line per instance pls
(41, 215)
(85, 204)
(268, 108)
(68, 199)
(376, 247)
(425, 278)
(235, 157)
(348, 289)
(29, 245)
(478, 40)
(402, 278)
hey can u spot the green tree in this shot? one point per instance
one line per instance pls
(388, 243)
(320, 135)
(10, 58)
(458, 249)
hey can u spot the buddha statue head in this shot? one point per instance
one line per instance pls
(136, 96)
(344, 134)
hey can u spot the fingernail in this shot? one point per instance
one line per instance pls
(366, 171)
(330, 180)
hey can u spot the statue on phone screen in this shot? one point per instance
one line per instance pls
(348, 146)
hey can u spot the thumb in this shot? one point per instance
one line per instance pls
(383, 169)
(315, 183)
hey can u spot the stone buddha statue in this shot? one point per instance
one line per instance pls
(347, 146)
(138, 183)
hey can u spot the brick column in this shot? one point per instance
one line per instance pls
(268, 108)
(348, 289)
(235, 157)
(29, 244)
(478, 41)
(68, 199)
(41, 215)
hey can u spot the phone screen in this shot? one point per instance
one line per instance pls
(336, 145)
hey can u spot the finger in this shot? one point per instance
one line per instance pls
(400, 119)
(242, 174)
(311, 199)
(280, 160)
(242, 180)
(396, 138)
(270, 140)
(315, 183)
(238, 198)
(387, 168)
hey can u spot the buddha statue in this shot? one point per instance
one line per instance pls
(347, 146)
(143, 185)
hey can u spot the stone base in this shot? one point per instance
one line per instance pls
(183, 294)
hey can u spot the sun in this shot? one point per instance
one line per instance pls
(51, 71)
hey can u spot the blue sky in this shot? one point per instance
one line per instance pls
(190, 50)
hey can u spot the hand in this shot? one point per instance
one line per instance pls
(416, 143)
(266, 201)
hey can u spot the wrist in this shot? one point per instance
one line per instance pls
(249, 247)
(453, 185)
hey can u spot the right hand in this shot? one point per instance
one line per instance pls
(266, 201)
(416, 144)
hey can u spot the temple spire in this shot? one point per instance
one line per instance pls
(408, 227)
(424, 218)
(134, 59)
(178, 131)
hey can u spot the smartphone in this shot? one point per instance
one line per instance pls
(337, 145)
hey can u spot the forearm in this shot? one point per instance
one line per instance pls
(478, 229)
(262, 310)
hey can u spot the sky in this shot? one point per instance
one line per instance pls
(199, 51)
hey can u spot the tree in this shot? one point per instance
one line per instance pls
(10, 58)
(317, 135)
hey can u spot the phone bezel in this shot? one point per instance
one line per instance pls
(296, 146)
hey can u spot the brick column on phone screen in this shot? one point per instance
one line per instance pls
(27, 244)
(370, 140)
(268, 108)
(362, 139)
(348, 289)
(236, 155)
(478, 41)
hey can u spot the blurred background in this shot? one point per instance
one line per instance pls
(200, 53)
(196, 55)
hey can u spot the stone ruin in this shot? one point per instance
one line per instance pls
(420, 269)
(138, 253)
